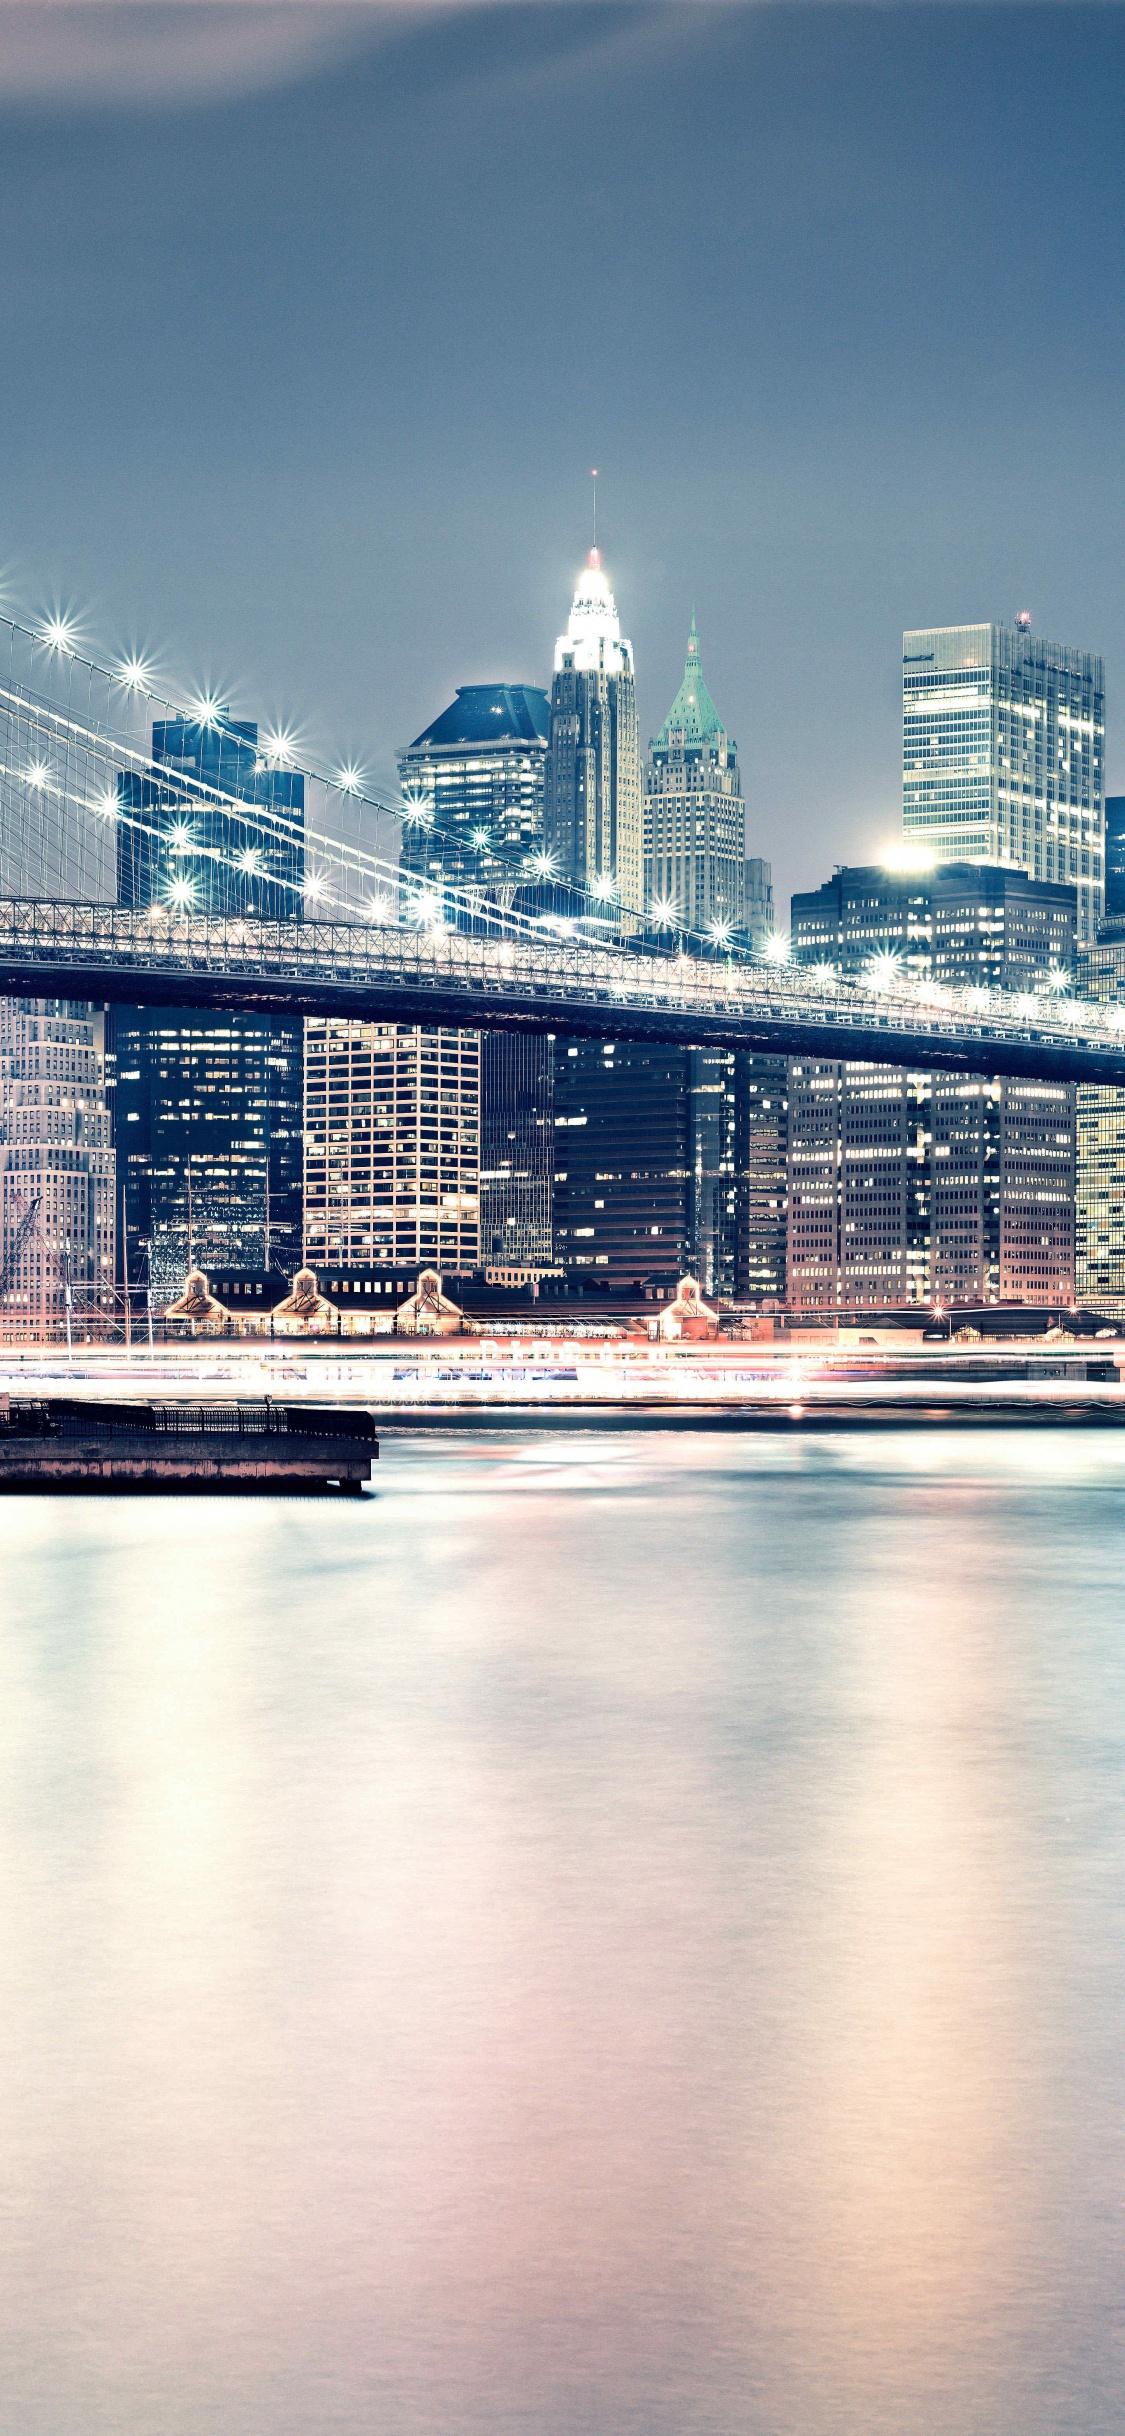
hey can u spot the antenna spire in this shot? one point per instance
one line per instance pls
(594, 483)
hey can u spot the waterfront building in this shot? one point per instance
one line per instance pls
(208, 1107)
(911, 1187)
(694, 815)
(392, 1146)
(1100, 1195)
(472, 788)
(594, 820)
(57, 1189)
(1003, 755)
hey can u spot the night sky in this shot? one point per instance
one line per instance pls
(313, 322)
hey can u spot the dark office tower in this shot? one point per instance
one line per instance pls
(183, 837)
(594, 820)
(472, 786)
(517, 1149)
(208, 1128)
(903, 1186)
(644, 1164)
(695, 819)
(208, 1109)
(1115, 858)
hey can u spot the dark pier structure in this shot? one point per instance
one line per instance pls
(65, 1442)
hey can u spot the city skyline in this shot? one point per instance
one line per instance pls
(866, 433)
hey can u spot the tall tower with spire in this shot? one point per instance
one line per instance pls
(594, 823)
(695, 818)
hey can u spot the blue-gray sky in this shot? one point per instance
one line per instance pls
(313, 321)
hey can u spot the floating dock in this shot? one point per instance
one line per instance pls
(62, 1442)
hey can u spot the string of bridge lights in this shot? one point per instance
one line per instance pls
(421, 903)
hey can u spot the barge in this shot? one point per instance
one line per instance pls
(62, 1442)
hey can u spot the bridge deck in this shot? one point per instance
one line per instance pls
(385, 973)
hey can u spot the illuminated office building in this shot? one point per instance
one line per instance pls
(392, 1146)
(912, 1187)
(208, 1107)
(472, 788)
(1003, 756)
(57, 1191)
(594, 816)
(694, 815)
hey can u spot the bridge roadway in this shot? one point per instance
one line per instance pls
(389, 974)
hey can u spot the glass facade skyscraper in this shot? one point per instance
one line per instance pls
(1003, 755)
(907, 1187)
(183, 838)
(645, 1150)
(208, 1107)
(472, 786)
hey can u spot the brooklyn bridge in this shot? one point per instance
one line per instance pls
(280, 887)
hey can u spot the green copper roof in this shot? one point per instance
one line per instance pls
(693, 709)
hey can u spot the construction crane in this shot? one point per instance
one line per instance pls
(11, 1264)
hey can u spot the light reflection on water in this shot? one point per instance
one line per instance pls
(618, 1933)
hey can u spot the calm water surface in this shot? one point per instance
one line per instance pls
(615, 1934)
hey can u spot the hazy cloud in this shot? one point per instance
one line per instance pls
(109, 51)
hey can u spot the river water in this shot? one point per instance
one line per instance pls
(615, 1935)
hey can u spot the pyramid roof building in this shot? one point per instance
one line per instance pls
(693, 714)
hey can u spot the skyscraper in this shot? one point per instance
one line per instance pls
(1003, 755)
(472, 786)
(57, 1194)
(645, 1163)
(694, 815)
(208, 1108)
(594, 821)
(392, 1151)
(906, 1186)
